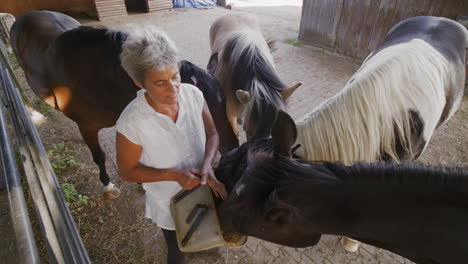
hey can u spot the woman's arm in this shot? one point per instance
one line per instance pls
(211, 148)
(212, 140)
(128, 155)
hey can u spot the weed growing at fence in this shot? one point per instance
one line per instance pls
(85, 227)
(42, 107)
(72, 195)
(293, 42)
(62, 156)
(13, 62)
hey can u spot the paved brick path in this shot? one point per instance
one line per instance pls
(323, 75)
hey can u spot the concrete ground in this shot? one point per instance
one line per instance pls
(323, 75)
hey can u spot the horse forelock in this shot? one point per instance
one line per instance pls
(375, 105)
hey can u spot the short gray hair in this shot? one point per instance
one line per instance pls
(146, 48)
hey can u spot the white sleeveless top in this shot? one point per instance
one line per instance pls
(166, 145)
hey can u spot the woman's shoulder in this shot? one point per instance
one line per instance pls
(133, 110)
(192, 97)
(192, 93)
(190, 89)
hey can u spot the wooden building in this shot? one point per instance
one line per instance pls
(355, 27)
(19, 7)
(100, 9)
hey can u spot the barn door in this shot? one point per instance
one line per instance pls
(319, 22)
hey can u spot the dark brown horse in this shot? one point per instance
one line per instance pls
(77, 70)
(416, 211)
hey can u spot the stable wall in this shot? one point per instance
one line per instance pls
(355, 27)
(19, 7)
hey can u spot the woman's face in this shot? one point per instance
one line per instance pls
(162, 86)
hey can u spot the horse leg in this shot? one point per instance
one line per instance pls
(90, 136)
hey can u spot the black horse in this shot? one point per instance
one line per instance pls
(416, 211)
(77, 70)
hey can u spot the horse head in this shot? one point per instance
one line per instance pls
(255, 206)
(291, 202)
(242, 61)
(259, 114)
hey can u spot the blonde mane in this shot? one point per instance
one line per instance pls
(362, 121)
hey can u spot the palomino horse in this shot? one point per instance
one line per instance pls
(412, 83)
(77, 70)
(242, 62)
(416, 211)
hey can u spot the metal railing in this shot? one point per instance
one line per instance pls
(58, 228)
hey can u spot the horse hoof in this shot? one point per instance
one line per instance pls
(349, 244)
(234, 240)
(111, 191)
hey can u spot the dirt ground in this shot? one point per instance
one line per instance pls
(116, 231)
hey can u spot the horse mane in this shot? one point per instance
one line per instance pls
(364, 120)
(398, 173)
(266, 168)
(247, 54)
(83, 36)
(99, 42)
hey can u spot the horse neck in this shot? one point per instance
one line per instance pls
(340, 131)
(361, 123)
(370, 198)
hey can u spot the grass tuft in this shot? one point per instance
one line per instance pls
(293, 42)
(62, 156)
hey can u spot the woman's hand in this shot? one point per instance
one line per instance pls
(187, 178)
(217, 186)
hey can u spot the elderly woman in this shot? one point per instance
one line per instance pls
(166, 136)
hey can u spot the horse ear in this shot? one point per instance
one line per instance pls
(243, 96)
(288, 91)
(284, 134)
(212, 63)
